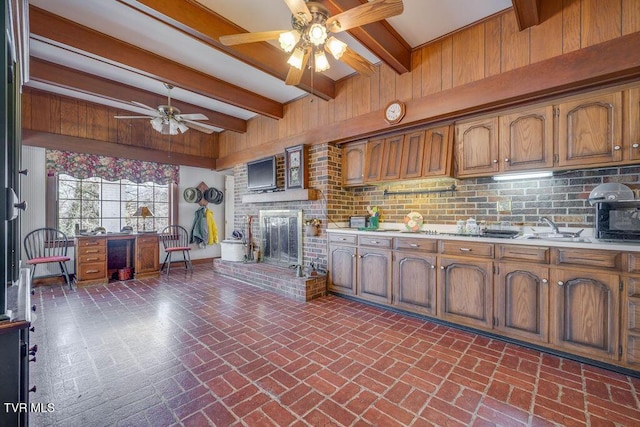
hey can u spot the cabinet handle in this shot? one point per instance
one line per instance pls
(92, 271)
(33, 308)
(353, 256)
(506, 160)
(33, 359)
(414, 245)
(373, 242)
(33, 350)
(32, 389)
(22, 206)
(433, 266)
(545, 281)
(360, 256)
(343, 239)
(24, 172)
(442, 267)
(495, 160)
(560, 283)
(465, 249)
(92, 259)
(636, 145)
(616, 147)
(94, 251)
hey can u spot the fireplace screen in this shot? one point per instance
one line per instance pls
(281, 236)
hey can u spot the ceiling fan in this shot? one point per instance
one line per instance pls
(310, 38)
(168, 120)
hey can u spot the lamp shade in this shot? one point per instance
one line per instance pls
(143, 212)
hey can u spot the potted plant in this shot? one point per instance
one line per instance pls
(311, 227)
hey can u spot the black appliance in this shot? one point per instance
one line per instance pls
(261, 174)
(618, 221)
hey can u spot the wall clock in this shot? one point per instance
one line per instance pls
(295, 165)
(394, 112)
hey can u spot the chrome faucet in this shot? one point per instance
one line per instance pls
(551, 224)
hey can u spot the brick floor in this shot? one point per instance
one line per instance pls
(204, 350)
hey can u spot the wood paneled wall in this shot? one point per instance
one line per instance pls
(479, 51)
(45, 112)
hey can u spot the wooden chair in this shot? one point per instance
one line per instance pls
(47, 246)
(175, 238)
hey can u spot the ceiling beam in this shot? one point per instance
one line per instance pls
(119, 53)
(379, 37)
(527, 13)
(197, 21)
(61, 76)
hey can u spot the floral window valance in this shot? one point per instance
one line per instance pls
(84, 166)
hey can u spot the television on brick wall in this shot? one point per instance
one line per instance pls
(261, 174)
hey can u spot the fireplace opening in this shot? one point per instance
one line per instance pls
(281, 236)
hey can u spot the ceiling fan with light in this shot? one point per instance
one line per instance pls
(310, 37)
(168, 120)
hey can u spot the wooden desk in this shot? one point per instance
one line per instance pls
(98, 258)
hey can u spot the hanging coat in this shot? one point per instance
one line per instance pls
(199, 230)
(211, 225)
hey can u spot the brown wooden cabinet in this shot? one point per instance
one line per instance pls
(91, 260)
(147, 251)
(373, 281)
(526, 140)
(412, 155)
(632, 144)
(477, 147)
(465, 291)
(342, 263)
(353, 160)
(590, 130)
(522, 301)
(392, 158)
(437, 156)
(584, 313)
(630, 326)
(373, 160)
(414, 275)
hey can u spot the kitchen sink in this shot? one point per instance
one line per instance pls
(555, 237)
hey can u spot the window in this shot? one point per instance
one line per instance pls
(95, 202)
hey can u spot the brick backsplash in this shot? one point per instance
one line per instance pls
(563, 198)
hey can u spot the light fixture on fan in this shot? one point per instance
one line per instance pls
(312, 31)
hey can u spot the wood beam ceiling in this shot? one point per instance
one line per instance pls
(64, 32)
(379, 37)
(58, 75)
(527, 13)
(196, 20)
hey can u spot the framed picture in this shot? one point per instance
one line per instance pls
(295, 166)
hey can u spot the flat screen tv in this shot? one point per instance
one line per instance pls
(261, 174)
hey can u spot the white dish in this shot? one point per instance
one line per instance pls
(413, 221)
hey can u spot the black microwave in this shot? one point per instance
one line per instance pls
(618, 221)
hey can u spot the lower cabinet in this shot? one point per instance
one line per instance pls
(414, 282)
(374, 274)
(342, 269)
(631, 322)
(522, 301)
(465, 292)
(584, 313)
(147, 255)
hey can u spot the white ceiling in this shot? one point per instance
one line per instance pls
(421, 21)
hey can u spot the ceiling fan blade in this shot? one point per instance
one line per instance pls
(233, 39)
(294, 75)
(200, 126)
(365, 14)
(357, 62)
(140, 104)
(194, 116)
(133, 117)
(298, 7)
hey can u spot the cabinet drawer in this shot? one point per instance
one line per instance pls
(475, 249)
(348, 239)
(91, 243)
(378, 242)
(416, 244)
(148, 240)
(89, 258)
(587, 258)
(92, 271)
(92, 250)
(538, 254)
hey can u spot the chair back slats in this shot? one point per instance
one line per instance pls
(174, 236)
(45, 242)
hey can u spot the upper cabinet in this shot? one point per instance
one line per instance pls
(477, 147)
(353, 156)
(590, 130)
(633, 121)
(437, 157)
(526, 140)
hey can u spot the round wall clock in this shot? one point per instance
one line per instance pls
(394, 112)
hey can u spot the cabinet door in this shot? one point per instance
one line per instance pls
(412, 155)
(465, 292)
(414, 282)
(590, 130)
(373, 160)
(477, 147)
(342, 269)
(526, 140)
(522, 301)
(633, 145)
(374, 274)
(585, 313)
(147, 255)
(437, 152)
(353, 157)
(392, 158)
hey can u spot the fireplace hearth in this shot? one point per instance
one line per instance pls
(281, 236)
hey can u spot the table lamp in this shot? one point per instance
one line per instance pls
(143, 212)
